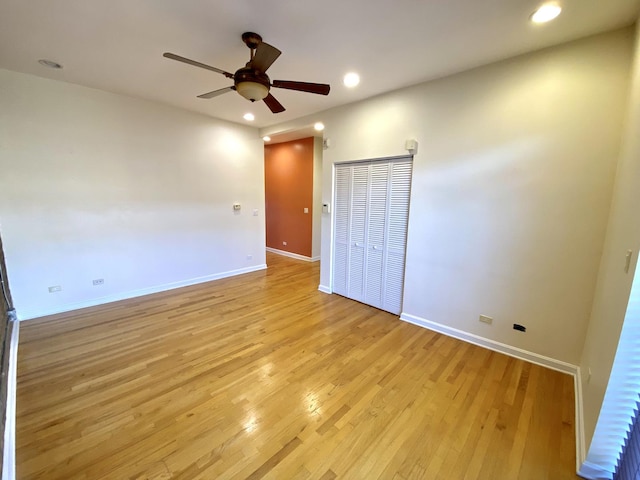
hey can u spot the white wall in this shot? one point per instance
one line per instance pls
(614, 284)
(511, 188)
(98, 185)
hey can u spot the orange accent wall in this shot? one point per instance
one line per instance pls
(288, 177)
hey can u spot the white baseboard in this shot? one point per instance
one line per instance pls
(28, 314)
(492, 344)
(581, 448)
(324, 289)
(9, 450)
(521, 354)
(292, 255)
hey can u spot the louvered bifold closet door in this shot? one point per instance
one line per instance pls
(358, 233)
(371, 218)
(376, 233)
(342, 208)
(396, 244)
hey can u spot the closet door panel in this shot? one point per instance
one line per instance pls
(341, 235)
(358, 231)
(376, 233)
(398, 219)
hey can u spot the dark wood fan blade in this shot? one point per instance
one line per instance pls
(274, 105)
(215, 93)
(188, 61)
(264, 57)
(319, 88)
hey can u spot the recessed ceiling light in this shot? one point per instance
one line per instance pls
(351, 79)
(319, 126)
(49, 63)
(266, 138)
(249, 117)
(546, 13)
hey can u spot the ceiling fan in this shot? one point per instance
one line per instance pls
(251, 81)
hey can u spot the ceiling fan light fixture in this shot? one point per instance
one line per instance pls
(252, 91)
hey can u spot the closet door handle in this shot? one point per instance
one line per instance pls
(375, 247)
(357, 244)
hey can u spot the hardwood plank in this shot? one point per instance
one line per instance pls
(263, 376)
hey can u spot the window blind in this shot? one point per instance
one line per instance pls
(620, 406)
(629, 463)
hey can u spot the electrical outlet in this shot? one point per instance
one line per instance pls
(98, 281)
(284, 243)
(485, 319)
(55, 288)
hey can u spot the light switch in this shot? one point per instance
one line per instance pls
(306, 210)
(326, 208)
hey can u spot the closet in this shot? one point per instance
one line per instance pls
(371, 208)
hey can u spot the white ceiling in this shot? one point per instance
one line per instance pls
(117, 45)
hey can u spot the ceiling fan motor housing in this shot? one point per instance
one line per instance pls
(251, 84)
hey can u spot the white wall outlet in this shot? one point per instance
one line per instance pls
(255, 212)
(55, 288)
(485, 319)
(284, 243)
(237, 207)
(98, 281)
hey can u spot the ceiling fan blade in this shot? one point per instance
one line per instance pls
(264, 56)
(319, 88)
(274, 105)
(188, 61)
(215, 93)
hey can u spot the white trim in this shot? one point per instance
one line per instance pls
(492, 344)
(581, 450)
(593, 472)
(28, 314)
(292, 255)
(9, 450)
(324, 289)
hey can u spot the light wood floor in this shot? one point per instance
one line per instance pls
(262, 376)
